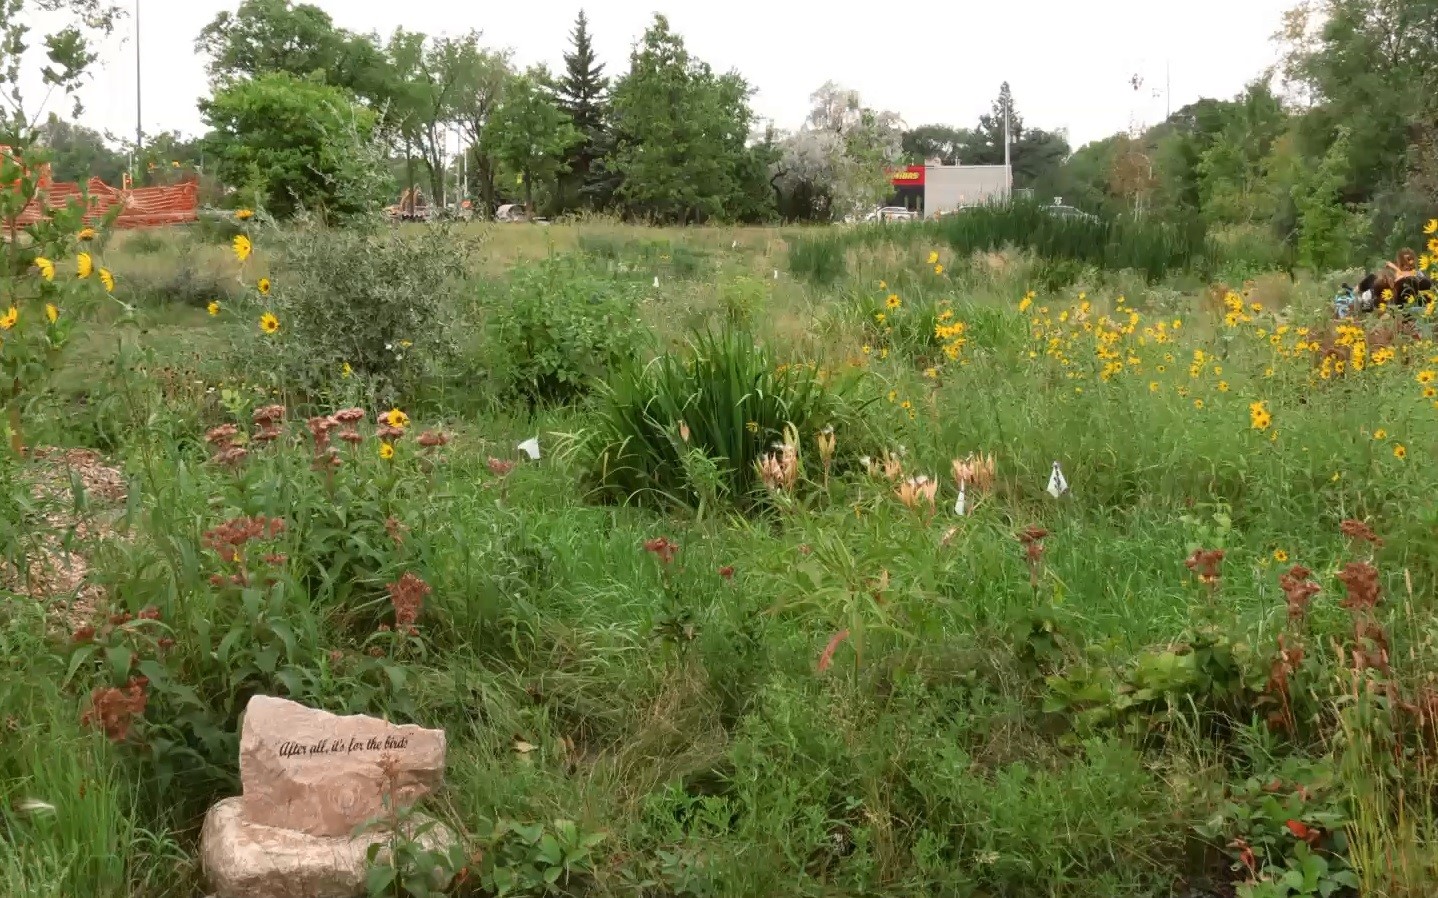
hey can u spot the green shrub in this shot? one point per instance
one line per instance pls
(818, 259)
(558, 327)
(735, 401)
(381, 303)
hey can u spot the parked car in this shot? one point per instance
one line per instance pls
(1069, 212)
(890, 213)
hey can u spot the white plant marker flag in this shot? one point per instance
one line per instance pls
(656, 280)
(776, 274)
(530, 447)
(1057, 484)
(961, 505)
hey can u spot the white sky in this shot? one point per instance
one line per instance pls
(1069, 63)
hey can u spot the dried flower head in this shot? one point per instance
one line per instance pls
(349, 415)
(1207, 564)
(432, 438)
(1359, 532)
(1360, 580)
(396, 529)
(269, 414)
(407, 596)
(222, 436)
(1298, 591)
(232, 456)
(500, 467)
(113, 709)
(662, 547)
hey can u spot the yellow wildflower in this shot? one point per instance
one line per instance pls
(1280, 556)
(346, 371)
(1431, 227)
(386, 451)
(893, 301)
(243, 247)
(933, 258)
(9, 319)
(244, 214)
(264, 286)
(84, 266)
(213, 308)
(108, 280)
(396, 419)
(1425, 377)
(47, 268)
(938, 269)
(86, 234)
(1399, 452)
(1259, 416)
(52, 314)
(269, 323)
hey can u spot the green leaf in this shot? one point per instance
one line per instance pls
(120, 659)
(379, 879)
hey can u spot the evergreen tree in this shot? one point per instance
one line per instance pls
(583, 95)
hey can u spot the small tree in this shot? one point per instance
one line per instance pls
(582, 95)
(48, 269)
(299, 136)
(530, 133)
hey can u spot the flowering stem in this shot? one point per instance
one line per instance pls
(17, 443)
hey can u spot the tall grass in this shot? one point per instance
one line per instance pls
(726, 396)
(1154, 248)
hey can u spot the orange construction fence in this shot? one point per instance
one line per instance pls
(140, 207)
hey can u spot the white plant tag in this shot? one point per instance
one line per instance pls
(656, 280)
(1057, 484)
(776, 274)
(530, 447)
(961, 505)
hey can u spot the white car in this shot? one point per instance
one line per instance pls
(890, 213)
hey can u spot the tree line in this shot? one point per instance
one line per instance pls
(1335, 148)
(305, 114)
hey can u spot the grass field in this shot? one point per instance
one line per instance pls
(706, 652)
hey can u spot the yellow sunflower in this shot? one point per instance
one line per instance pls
(244, 214)
(386, 451)
(84, 266)
(264, 286)
(47, 268)
(269, 323)
(243, 247)
(9, 319)
(52, 314)
(396, 418)
(86, 234)
(108, 280)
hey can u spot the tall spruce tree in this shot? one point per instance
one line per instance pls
(583, 94)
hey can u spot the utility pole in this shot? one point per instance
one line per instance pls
(139, 108)
(1008, 157)
(1168, 89)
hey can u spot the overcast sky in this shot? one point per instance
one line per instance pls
(1070, 64)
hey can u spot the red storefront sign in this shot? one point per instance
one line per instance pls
(910, 176)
